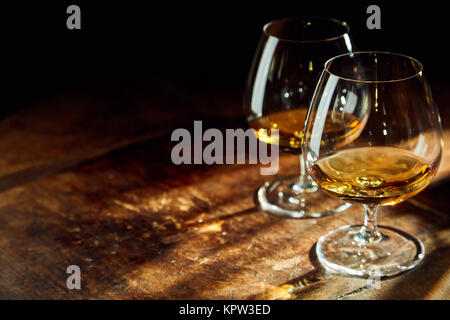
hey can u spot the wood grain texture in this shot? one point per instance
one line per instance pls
(140, 227)
(61, 132)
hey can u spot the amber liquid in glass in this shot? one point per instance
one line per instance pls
(344, 127)
(373, 175)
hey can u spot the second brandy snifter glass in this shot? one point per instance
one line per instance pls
(285, 70)
(392, 157)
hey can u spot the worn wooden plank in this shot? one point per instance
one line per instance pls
(62, 131)
(142, 228)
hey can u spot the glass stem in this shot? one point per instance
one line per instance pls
(301, 179)
(304, 183)
(369, 232)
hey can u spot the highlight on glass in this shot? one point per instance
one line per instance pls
(389, 155)
(285, 71)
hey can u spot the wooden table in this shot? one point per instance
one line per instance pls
(86, 179)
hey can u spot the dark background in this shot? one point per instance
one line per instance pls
(191, 44)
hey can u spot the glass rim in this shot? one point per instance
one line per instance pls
(334, 20)
(368, 52)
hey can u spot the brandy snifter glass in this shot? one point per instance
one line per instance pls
(392, 157)
(285, 70)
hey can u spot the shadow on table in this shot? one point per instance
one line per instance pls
(423, 282)
(426, 281)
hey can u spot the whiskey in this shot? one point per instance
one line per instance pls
(373, 175)
(290, 125)
(343, 127)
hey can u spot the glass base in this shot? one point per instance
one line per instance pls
(288, 198)
(344, 251)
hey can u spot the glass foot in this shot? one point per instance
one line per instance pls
(287, 197)
(344, 251)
